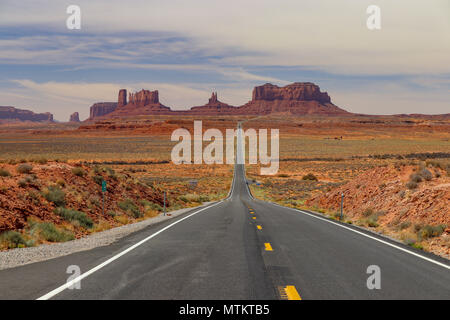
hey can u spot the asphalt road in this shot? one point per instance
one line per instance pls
(220, 253)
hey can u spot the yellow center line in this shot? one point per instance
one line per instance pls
(254, 218)
(268, 246)
(259, 227)
(292, 293)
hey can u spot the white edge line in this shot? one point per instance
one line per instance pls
(117, 256)
(368, 236)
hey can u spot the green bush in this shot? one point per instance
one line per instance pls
(150, 205)
(129, 206)
(415, 178)
(78, 171)
(429, 231)
(4, 173)
(24, 168)
(411, 185)
(55, 195)
(12, 239)
(426, 174)
(98, 180)
(310, 177)
(74, 216)
(50, 233)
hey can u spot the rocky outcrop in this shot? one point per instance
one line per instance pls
(144, 98)
(74, 117)
(298, 91)
(300, 98)
(214, 106)
(14, 114)
(144, 102)
(101, 109)
(122, 98)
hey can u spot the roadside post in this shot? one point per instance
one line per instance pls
(342, 207)
(164, 203)
(103, 195)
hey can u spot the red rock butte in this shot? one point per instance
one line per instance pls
(300, 98)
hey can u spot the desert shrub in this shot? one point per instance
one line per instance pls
(61, 183)
(401, 194)
(55, 195)
(129, 206)
(4, 173)
(426, 174)
(437, 174)
(429, 231)
(74, 216)
(372, 221)
(283, 175)
(41, 160)
(22, 183)
(191, 197)
(24, 168)
(12, 239)
(404, 225)
(368, 212)
(98, 179)
(310, 177)
(111, 213)
(50, 233)
(78, 171)
(411, 185)
(415, 178)
(150, 205)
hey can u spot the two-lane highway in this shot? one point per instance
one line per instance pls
(239, 248)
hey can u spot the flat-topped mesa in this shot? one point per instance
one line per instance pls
(14, 114)
(298, 91)
(101, 109)
(144, 97)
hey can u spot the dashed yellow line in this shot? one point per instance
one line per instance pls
(268, 246)
(292, 293)
(289, 293)
(254, 218)
(259, 227)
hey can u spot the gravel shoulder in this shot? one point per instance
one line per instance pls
(22, 256)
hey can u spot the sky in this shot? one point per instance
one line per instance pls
(187, 49)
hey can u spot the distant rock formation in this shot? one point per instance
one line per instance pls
(299, 98)
(101, 109)
(144, 102)
(14, 114)
(74, 117)
(122, 98)
(214, 106)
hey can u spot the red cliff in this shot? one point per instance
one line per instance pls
(74, 117)
(101, 109)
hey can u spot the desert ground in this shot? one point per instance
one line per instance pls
(393, 171)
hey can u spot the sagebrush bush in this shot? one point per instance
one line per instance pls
(78, 171)
(55, 195)
(415, 178)
(98, 180)
(74, 216)
(4, 173)
(426, 174)
(150, 205)
(411, 185)
(310, 177)
(129, 206)
(24, 168)
(429, 231)
(12, 239)
(50, 233)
